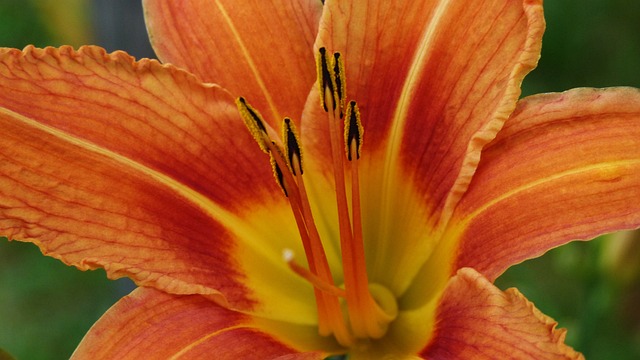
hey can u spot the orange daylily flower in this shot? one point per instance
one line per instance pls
(392, 234)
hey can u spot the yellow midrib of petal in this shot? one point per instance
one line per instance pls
(607, 170)
(232, 222)
(394, 175)
(397, 130)
(250, 61)
(201, 340)
(410, 84)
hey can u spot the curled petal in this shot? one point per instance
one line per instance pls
(565, 167)
(475, 320)
(151, 324)
(260, 50)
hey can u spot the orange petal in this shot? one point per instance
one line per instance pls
(566, 166)
(435, 80)
(476, 320)
(158, 115)
(140, 169)
(149, 324)
(261, 50)
(89, 210)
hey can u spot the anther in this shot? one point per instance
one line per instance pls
(331, 80)
(339, 82)
(353, 131)
(292, 146)
(255, 124)
(325, 79)
(277, 172)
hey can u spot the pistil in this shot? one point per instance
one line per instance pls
(317, 282)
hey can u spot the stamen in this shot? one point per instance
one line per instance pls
(367, 318)
(349, 260)
(292, 146)
(324, 324)
(330, 319)
(255, 124)
(353, 131)
(370, 307)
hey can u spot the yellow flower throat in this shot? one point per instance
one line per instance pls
(369, 307)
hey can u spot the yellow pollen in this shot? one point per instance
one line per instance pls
(339, 82)
(292, 146)
(325, 81)
(255, 124)
(353, 131)
(277, 171)
(331, 81)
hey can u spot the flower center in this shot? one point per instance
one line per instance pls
(370, 307)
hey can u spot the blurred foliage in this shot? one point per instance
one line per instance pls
(66, 20)
(587, 43)
(21, 24)
(46, 307)
(570, 285)
(5, 355)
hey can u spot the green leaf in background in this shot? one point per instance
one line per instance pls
(587, 43)
(570, 285)
(46, 307)
(20, 25)
(5, 355)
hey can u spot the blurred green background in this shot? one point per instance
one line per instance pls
(592, 288)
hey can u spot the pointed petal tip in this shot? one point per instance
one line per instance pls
(566, 165)
(476, 320)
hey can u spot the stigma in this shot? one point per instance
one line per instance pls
(354, 310)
